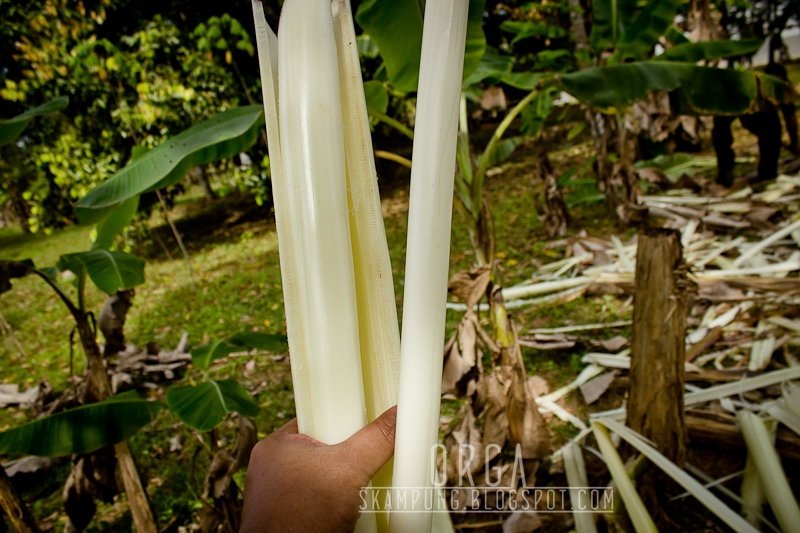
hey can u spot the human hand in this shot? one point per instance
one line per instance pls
(295, 483)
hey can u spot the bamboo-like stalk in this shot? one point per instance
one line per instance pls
(768, 464)
(379, 334)
(377, 311)
(640, 518)
(703, 495)
(427, 255)
(740, 387)
(766, 243)
(313, 164)
(268, 64)
(752, 493)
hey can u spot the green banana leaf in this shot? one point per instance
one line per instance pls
(267, 342)
(366, 47)
(114, 223)
(475, 45)
(535, 114)
(503, 150)
(396, 28)
(203, 407)
(109, 271)
(12, 128)
(695, 90)
(527, 81)
(83, 429)
(377, 96)
(675, 36)
(203, 356)
(693, 52)
(611, 17)
(219, 137)
(643, 33)
(523, 29)
(492, 68)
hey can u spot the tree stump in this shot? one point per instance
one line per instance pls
(655, 401)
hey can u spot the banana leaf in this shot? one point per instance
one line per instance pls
(523, 29)
(12, 128)
(675, 36)
(396, 27)
(527, 81)
(269, 342)
(377, 96)
(492, 68)
(503, 150)
(204, 407)
(643, 33)
(203, 356)
(611, 17)
(694, 90)
(693, 52)
(83, 429)
(114, 223)
(367, 47)
(109, 271)
(219, 137)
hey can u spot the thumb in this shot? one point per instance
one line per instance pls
(373, 445)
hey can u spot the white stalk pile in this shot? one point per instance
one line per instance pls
(336, 273)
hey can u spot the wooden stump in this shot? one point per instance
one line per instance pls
(655, 401)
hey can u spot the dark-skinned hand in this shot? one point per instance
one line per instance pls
(297, 484)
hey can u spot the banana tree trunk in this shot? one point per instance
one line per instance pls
(525, 424)
(482, 237)
(555, 215)
(701, 23)
(15, 509)
(111, 321)
(578, 25)
(98, 388)
(199, 173)
(19, 206)
(618, 180)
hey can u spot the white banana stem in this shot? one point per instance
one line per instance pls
(427, 255)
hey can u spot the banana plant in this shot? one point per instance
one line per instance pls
(110, 272)
(395, 26)
(202, 406)
(78, 431)
(111, 206)
(12, 128)
(205, 404)
(626, 39)
(222, 136)
(82, 430)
